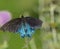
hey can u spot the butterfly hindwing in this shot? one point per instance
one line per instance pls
(30, 30)
(25, 30)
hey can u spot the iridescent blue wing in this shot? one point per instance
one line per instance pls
(25, 30)
(29, 30)
(12, 26)
(34, 22)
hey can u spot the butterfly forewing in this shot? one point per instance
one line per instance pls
(34, 22)
(12, 26)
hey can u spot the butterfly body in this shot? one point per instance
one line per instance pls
(25, 26)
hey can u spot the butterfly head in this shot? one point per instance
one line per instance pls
(22, 16)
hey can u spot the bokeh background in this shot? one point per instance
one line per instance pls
(48, 37)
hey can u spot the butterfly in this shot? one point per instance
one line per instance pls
(26, 26)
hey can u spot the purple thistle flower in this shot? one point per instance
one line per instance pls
(5, 16)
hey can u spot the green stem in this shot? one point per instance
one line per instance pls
(32, 44)
(52, 21)
(26, 43)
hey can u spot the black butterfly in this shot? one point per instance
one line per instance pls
(25, 26)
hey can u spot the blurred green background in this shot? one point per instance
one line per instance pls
(46, 10)
(18, 7)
